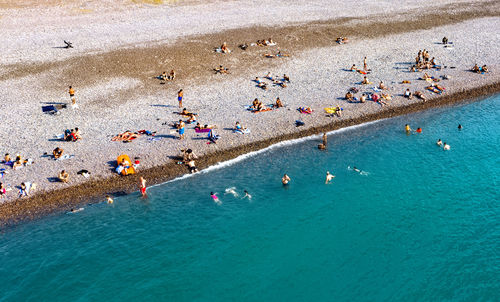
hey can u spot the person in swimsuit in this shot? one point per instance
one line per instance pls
(247, 195)
(329, 177)
(109, 200)
(446, 146)
(459, 127)
(407, 128)
(63, 176)
(215, 198)
(285, 179)
(181, 128)
(180, 94)
(439, 142)
(142, 186)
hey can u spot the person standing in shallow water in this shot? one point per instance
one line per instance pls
(142, 186)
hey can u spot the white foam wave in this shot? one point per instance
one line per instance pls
(245, 156)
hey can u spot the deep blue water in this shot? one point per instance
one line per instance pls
(423, 225)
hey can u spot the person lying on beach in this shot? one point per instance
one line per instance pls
(260, 106)
(420, 95)
(413, 68)
(278, 103)
(126, 136)
(192, 166)
(57, 152)
(186, 113)
(386, 96)
(262, 85)
(163, 76)
(286, 78)
(365, 81)
(426, 76)
(354, 68)
(191, 119)
(433, 62)
(484, 68)
(258, 80)
(382, 86)
(212, 137)
(221, 70)
(342, 40)
(377, 99)
(408, 94)
(3, 190)
(476, 68)
(63, 176)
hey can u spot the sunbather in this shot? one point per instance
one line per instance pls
(484, 68)
(57, 152)
(17, 163)
(362, 99)
(382, 86)
(63, 176)
(171, 75)
(221, 70)
(365, 81)
(349, 96)
(163, 76)
(353, 67)
(278, 103)
(224, 48)
(420, 95)
(7, 158)
(255, 103)
(286, 78)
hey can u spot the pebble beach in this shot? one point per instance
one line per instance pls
(119, 47)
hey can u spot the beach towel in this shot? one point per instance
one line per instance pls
(65, 156)
(242, 131)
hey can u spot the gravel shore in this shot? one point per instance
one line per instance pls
(116, 89)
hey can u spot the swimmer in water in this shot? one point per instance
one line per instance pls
(329, 177)
(232, 191)
(419, 130)
(215, 198)
(75, 210)
(439, 142)
(142, 186)
(247, 195)
(285, 180)
(109, 200)
(407, 128)
(356, 169)
(459, 127)
(446, 146)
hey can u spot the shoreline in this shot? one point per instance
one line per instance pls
(52, 202)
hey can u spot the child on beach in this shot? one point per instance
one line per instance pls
(142, 186)
(181, 126)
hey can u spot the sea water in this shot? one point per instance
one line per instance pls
(421, 224)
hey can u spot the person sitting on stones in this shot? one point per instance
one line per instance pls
(63, 176)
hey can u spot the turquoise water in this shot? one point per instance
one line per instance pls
(423, 225)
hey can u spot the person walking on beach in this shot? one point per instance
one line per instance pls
(71, 92)
(180, 94)
(142, 186)
(329, 177)
(285, 179)
(181, 126)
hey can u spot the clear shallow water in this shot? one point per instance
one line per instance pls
(423, 225)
